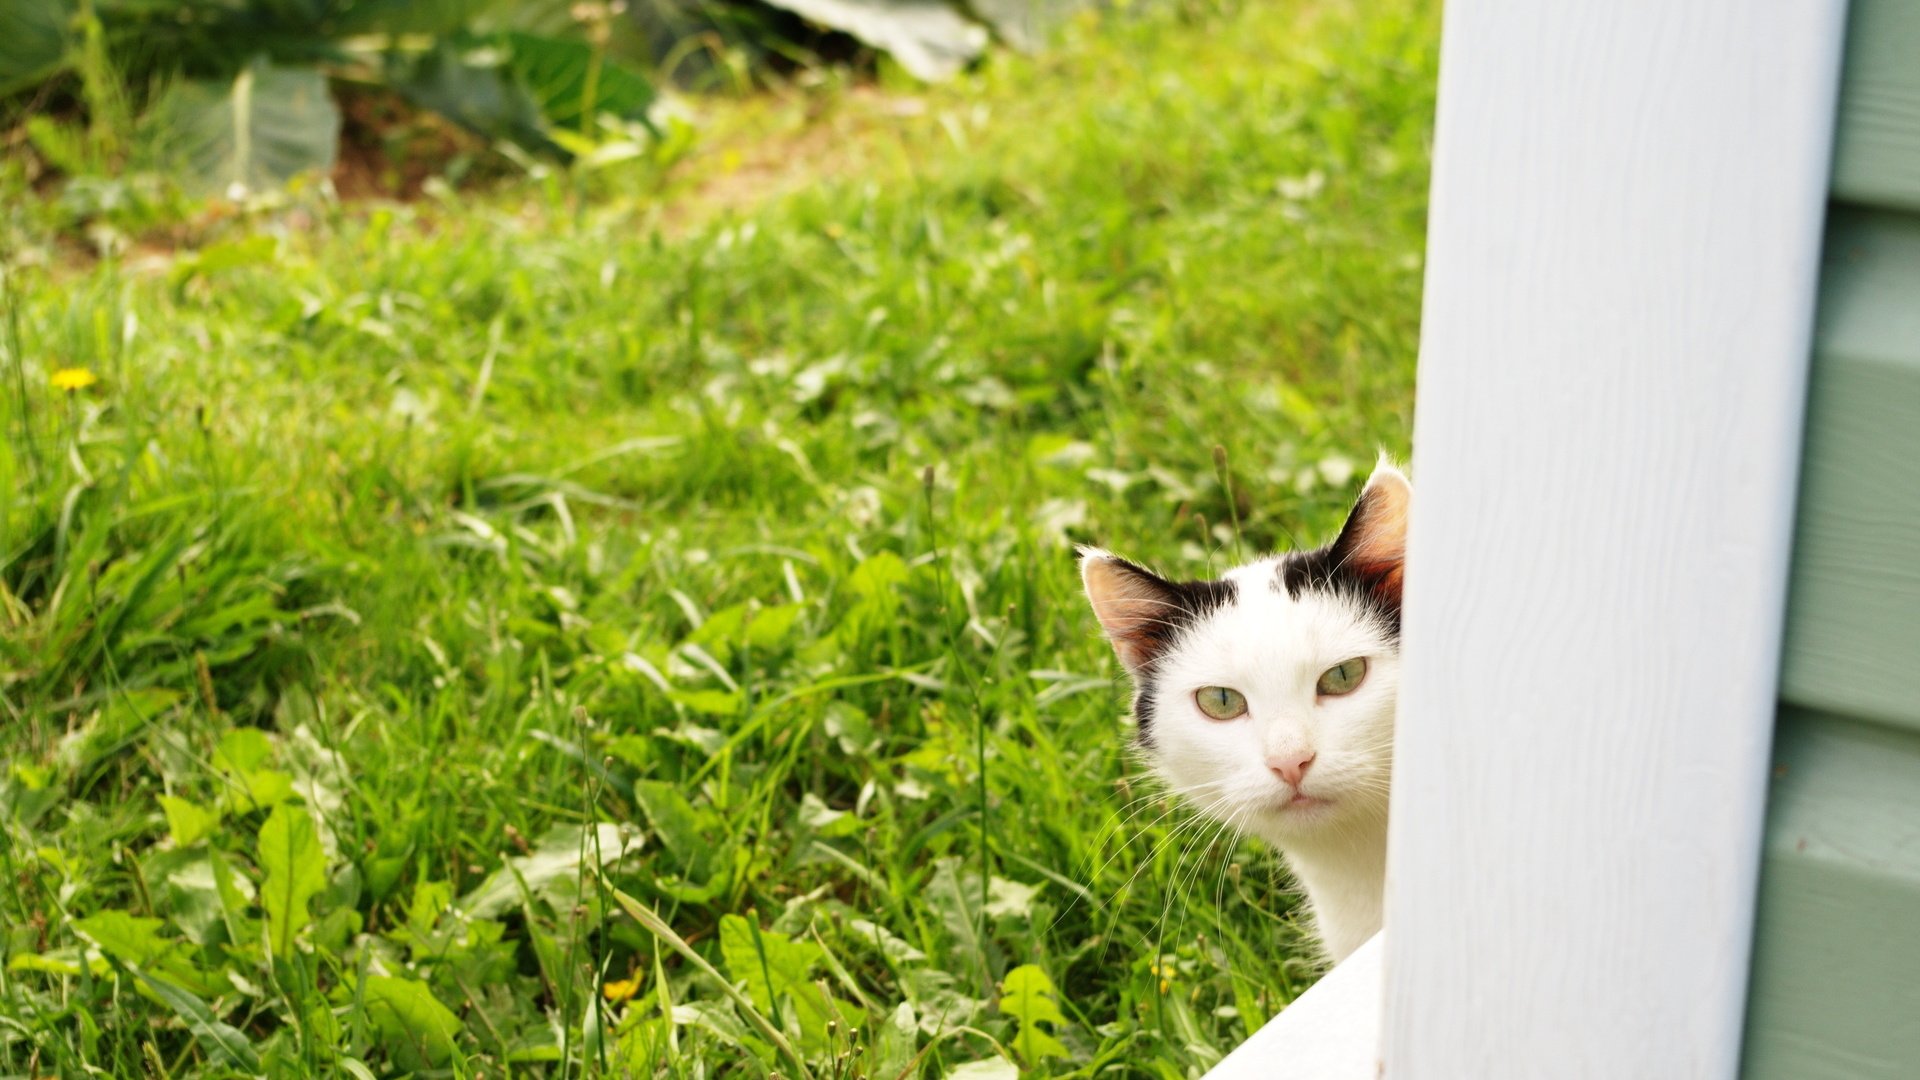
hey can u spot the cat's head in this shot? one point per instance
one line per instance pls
(1267, 696)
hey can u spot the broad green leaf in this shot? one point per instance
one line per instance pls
(220, 1039)
(717, 1018)
(242, 750)
(770, 964)
(850, 727)
(257, 250)
(235, 894)
(183, 889)
(956, 896)
(1009, 898)
(985, 1069)
(878, 576)
(33, 42)
(895, 1041)
(251, 133)
(187, 821)
(770, 626)
(332, 931)
(135, 708)
(470, 84)
(1027, 995)
(68, 962)
(131, 939)
(720, 631)
(560, 75)
(563, 853)
(674, 820)
(536, 1053)
(295, 868)
(775, 969)
(894, 947)
(439, 17)
(264, 789)
(413, 1024)
(383, 873)
(813, 1007)
(824, 819)
(430, 899)
(710, 702)
(27, 791)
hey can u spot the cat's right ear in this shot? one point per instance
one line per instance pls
(1133, 604)
(1373, 544)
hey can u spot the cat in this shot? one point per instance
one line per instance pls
(1267, 697)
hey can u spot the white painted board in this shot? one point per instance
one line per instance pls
(1623, 240)
(1331, 1032)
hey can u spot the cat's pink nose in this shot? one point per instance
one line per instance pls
(1290, 767)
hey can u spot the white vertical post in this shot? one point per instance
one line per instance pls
(1624, 237)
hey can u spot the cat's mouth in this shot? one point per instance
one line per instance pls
(1301, 803)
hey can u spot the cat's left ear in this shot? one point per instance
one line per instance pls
(1373, 544)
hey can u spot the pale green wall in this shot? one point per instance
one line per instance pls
(1877, 154)
(1836, 975)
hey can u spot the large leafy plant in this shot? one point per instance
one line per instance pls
(240, 95)
(247, 87)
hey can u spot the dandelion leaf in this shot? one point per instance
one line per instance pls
(1027, 995)
(416, 1028)
(295, 871)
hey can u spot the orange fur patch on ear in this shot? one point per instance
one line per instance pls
(1374, 542)
(1134, 606)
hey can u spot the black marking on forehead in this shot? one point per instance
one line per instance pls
(1202, 598)
(1322, 570)
(1191, 601)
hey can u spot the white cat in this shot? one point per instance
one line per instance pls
(1267, 697)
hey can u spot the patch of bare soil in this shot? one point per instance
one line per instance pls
(754, 153)
(389, 149)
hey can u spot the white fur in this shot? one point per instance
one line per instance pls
(1273, 648)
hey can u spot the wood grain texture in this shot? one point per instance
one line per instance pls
(1834, 992)
(1623, 248)
(1876, 159)
(1331, 1032)
(1853, 624)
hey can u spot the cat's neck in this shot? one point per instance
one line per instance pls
(1345, 880)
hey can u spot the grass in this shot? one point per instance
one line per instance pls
(560, 637)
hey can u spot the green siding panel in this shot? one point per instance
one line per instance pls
(1876, 153)
(1853, 619)
(1836, 966)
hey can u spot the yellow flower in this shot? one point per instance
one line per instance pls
(73, 378)
(620, 990)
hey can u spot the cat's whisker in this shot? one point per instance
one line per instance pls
(1219, 828)
(1173, 805)
(1191, 822)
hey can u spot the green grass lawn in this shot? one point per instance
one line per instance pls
(406, 563)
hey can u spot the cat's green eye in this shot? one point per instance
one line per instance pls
(1342, 678)
(1220, 702)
